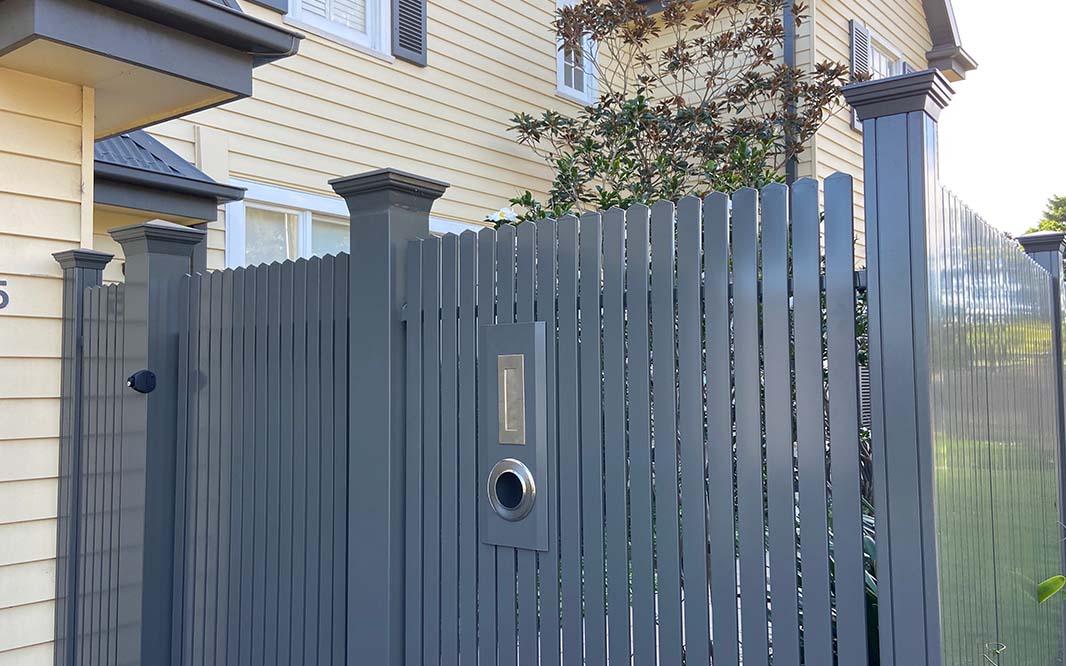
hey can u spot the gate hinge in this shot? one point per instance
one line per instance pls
(403, 313)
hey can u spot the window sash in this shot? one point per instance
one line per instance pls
(364, 23)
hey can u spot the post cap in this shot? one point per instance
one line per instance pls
(927, 91)
(1043, 241)
(392, 180)
(82, 258)
(160, 236)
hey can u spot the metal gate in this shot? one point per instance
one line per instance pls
(677, 368)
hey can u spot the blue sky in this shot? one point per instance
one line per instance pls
(1003, 138)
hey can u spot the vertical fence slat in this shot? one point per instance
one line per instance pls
(549, 561)
(238, 465)
(181, 495)
(225, 499)
(638, 270)
(614, 440)
(260, 442)
(810, 423)
(468, 476)
(201, 470)
(316, 281)
(525, 290)
(487, 607)
(690, 430)
(449, 438)
(431, 481)
(748, 428)
(96, 485)
(116, 473)
(248, 552)
(780, 473)
(303, 283)
(664, 434)
(590, 243)
(83, 629)
(569, 465)
(720, 457)
(109, 397)
(413, 499)
(270, 499)
(107, 369)
(337, 510)
(286, 443)
(213, 473)
(850, 588)
(323, 547)
(506, 594)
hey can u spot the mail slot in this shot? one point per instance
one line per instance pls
(513, 508)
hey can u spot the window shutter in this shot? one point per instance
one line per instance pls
(316, 7)
(860, 59)
(907, 68)
(409, 30)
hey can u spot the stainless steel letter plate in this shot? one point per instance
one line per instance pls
(511, 406)
(512, 437)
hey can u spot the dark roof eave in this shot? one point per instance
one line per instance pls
(216, 23)
(170, 183)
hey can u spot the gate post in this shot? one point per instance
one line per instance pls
(157, 254)
(81, 268)
(388, 208)
(899, 121)
(1047, 249)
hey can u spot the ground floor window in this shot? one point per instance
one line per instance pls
(275, 223)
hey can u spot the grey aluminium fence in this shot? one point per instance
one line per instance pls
(632, 437)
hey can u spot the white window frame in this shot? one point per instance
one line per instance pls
(879, 43)
(589, 51)
(304, 205)
(377, 40)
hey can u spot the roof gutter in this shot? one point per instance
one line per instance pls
(167, 182)
(217, 23)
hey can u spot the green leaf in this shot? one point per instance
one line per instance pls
(1050, 588)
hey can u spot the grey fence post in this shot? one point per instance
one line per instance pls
(899, 119)
(81, 268)
(1047, 248)
(388, 208)
(157, 254)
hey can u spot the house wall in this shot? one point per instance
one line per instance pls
(838, 146)
(46, 198)
(333, 110)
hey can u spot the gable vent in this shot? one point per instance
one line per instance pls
(409, 30)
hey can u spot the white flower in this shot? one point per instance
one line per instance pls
(503, 214)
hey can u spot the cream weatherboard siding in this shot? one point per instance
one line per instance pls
(838, 146)
(333, 110)
(46, 197)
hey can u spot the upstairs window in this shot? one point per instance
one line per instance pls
(576, 69)
(875, 57)
(360, 22)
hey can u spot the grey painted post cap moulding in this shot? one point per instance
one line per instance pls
(160, 236)
(389, 179)
(926, 90)
(1043, 241)
(82, 258)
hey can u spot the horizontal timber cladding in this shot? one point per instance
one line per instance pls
(686, 353)
(261, 532)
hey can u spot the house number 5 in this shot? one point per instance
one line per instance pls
(4, 299)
